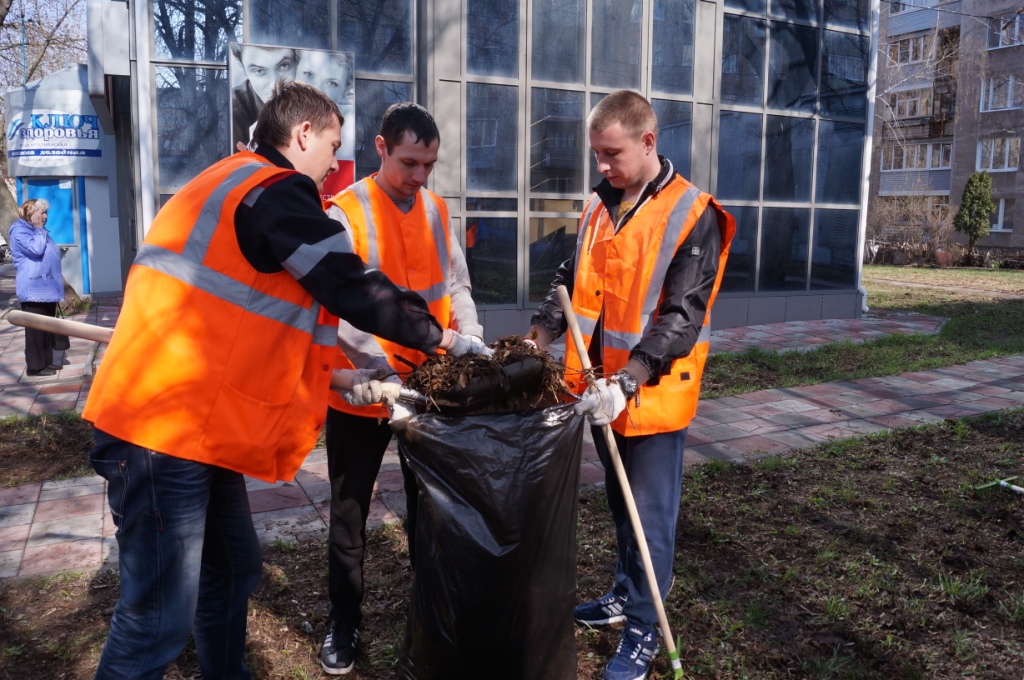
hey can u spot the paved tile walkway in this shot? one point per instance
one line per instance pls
(45, 527)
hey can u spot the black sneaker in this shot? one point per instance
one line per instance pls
(338, 655)
(632, 659)
(602, 611)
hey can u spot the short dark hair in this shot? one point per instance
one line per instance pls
(408, 117)
(292, 103)
(629, 109)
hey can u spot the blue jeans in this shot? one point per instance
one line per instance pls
(189, 559)
(654, 468)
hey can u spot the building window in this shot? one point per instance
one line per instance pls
(935, 156)
(910, 104)
(897, 6)
(941, 156)
(1005, 31)
(1002, 92)
(1001, 154)
(1001, 218)
(910, 50)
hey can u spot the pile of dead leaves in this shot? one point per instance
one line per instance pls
(519, 377)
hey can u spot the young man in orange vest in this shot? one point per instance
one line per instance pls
(649, 260)
(402, 229)
(220, 367)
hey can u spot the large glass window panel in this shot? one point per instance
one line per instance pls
(492, 127)
(675, 125)
(747, 5)
(743, 60)
(492, 259)
(595, 177)
(477, 203)
(784, 233)
(380, 33)
(844, 84)
(834, 257)
(848, 13)
(556, 205)
(558, 40)
(556, 141)
(295, 23)
(196, 30)
(801, 10)
(191, 125)
(552, 242)
(672, 49)
(616, 44)
(492, 28)
(789, 152)
(793, 67)
(739, 156)
(375, 96)
(739, 268)
(840, 150)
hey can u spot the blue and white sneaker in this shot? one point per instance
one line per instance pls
(632, 660)
(602, 611)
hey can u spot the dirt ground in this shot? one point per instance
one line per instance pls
(875, 558)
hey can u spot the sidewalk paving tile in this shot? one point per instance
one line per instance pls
(13, 537)
(68, 488)
(10, 563)
(287, 495)
(14, 515)
(16, 495)
(64, 530)
(66, 508)
(78, 555)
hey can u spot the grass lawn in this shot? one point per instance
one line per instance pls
(1000, 280)
(980, 326)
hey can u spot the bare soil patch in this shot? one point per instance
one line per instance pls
(44, 447)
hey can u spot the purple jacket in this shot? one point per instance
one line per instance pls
(37, 276)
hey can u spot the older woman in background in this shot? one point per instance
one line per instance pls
(38, 280)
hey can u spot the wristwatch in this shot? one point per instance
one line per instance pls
(628, 384)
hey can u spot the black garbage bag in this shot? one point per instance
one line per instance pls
(494, 581)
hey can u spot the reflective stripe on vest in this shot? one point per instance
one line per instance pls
(676, 221)
(438, 290)
(188, 268)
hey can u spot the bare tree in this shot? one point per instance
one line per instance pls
(54, 36)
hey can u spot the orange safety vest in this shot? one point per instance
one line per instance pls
(621, 275)
(211, 360)
(412, 249)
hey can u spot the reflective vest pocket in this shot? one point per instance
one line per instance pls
(236, 417)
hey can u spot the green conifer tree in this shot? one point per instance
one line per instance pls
(976, 207)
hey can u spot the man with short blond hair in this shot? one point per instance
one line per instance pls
(649, 260)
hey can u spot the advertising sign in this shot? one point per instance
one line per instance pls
(54, 133)
(253, 70)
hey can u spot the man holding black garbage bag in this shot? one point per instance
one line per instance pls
(649, 261)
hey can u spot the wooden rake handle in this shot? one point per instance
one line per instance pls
(627, 492)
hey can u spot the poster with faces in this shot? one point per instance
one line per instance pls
(253, 70)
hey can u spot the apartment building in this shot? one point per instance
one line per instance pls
(950, 102)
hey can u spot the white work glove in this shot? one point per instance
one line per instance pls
(367, 389)
(459, 345)
(603, 404)
(400, 412)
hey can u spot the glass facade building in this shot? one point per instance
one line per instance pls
(764, 103)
